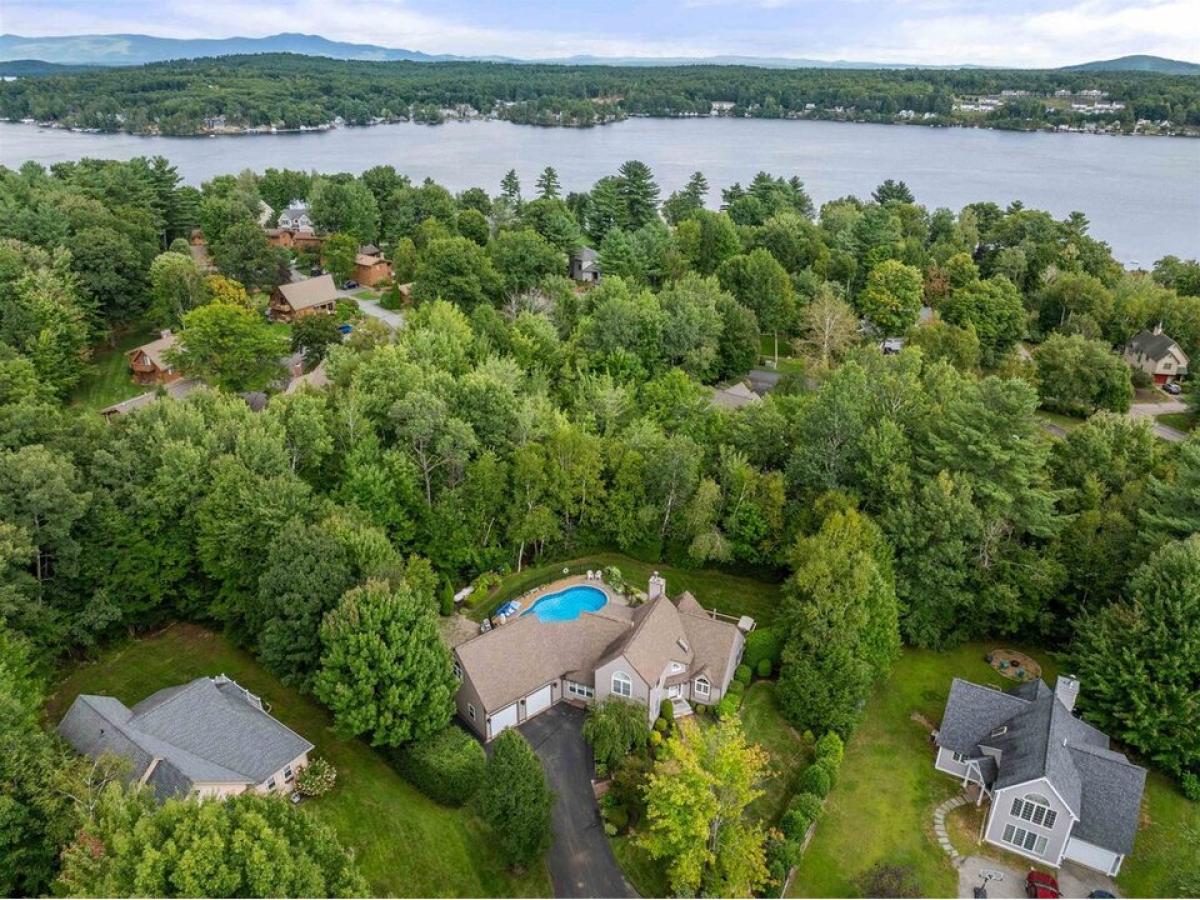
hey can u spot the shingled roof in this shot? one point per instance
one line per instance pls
(310, 292)
(209, 731)
(1038, 737)
(1152, 345)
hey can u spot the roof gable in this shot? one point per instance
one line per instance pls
(310, 292)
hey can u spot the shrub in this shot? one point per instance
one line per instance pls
(831, 769)
(660, 725)
(316, 778)
(1190, 784)
(735, 687)
(701, 708)
(447, 767)
(515, 800)
(447, 598)
(809, 805)
(666, 710)
(742, 674)
(617, 816)
(815, 780)
(794, 824)
(656, 738)
(782, 855)
(610, 829)
(765, 668)
(763, 643)
(729, 705)
(830, 748)
(613, 728)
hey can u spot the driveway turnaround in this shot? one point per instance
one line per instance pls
(581, 861)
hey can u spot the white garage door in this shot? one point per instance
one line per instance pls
(537, 701)
(505, 718)
(1090, 855)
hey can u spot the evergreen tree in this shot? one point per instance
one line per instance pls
(547, 184)
(515, 800)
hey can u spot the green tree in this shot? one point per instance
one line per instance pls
(697, 819)
(458, 270)
(523, 258)
(1173, 508)
(706, 239)
(313, 336)
(639, 194)
(892, 297)
(348, 207)
(941, 341)
(250, 845)
(683, 203)
(739, 344)
(176, 286)
(229, 347)
(338, 254)
(547, 184)
(1080, 375)
(473, 224)
(994, 309)
(614, 728)
(1140, 660)
(842, 623)
(384, 670)
(243, 254)
(510, 188)
(761, 284)
(892, 192)
(515, 800)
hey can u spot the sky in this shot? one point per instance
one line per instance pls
(979, 32)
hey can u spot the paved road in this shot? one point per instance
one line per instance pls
(581, 861)
(1150, 410)
(1073, 880)
(392, 320)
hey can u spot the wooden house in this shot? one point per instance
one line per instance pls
(303, 298)
(149, 363)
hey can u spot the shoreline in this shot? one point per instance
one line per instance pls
(250, 131)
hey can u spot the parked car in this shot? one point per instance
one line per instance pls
(349, 285)
(1172, 388)
(1101, 895)
(1041, 884)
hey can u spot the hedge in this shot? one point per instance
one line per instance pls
(742, 674)
(763, 643)
(794, 824)
(729, 705)
(815, 780)
(830, 748)
(808, 804)
(447, 767)
(765, 668)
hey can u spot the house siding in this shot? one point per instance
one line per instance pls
(946, 763)
(641, 691)
(1001, 815)
(282, 784)
(468, 695)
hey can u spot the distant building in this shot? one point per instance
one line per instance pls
(149, 362)
(370, 268)
(296, 218)
(735, 396)
(208, 738)
(1158, 355)
(303, 298)
(585, 265)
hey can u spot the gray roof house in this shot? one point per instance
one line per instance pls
(207, 738)
(1156, 354)
(585, 265)
(665, 649)
(1057, 791)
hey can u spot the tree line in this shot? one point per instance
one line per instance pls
(904, 499)
(291, 91)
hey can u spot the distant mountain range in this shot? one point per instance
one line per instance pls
(21, 55)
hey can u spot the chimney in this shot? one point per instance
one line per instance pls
(165, 333)
(1158, 327)
(658, 587)
(297, 369)
(1066, 689)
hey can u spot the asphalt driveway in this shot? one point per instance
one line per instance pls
(581, 861)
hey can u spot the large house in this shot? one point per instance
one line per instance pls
(1057, 791)
(149, 362)
(304, 298)
(296, 218)
(1157, 355)
(661, 650)
(208, 738)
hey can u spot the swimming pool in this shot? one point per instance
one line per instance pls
(563, 606)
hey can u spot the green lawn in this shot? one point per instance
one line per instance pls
(765, 726)
(367, 294)
(1184, 421)
(881, 809)
(406, 844)
(734, 595)
(108, 379)
(1067, 423)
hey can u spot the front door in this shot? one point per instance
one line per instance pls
(675, 691)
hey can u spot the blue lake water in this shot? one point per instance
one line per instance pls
(1141, 194)
(563, 606)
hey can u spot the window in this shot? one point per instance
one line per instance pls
(471, 711)
(287, 773)
(622, 684)
(457, 670)
(1024, 840)
(580, 690)
(702, 687)
(676, 667)
(1034, 808)
(960, 758)
(271, 783)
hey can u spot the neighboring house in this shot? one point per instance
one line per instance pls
(317, 379)
(304, 298)
(208, 738)
(1157, 355)
(149, 362)
(176, 389)
(735, 396)
(265, 213)
(295, 218)
(1057, 791)
(370, 270)
(661, 650)
(585, 265)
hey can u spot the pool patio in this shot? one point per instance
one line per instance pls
(532, 596)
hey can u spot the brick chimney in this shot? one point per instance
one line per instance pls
(1066, 689)
(658, 587)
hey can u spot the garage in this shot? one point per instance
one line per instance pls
(538, 701)
(505, 718)
(1091, 856)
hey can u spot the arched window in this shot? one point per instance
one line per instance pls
(1034, 808)
(622, 684)
(702, 686)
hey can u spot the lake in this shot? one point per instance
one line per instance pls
(1141, 194)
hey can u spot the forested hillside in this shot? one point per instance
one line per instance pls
(288, 91)
(519, 418)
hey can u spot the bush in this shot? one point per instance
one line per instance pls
(316, 778)
(656, 738)
(830, 748)
(736, 688)
(763, 643)
(617, 816)
(660, 725)
(446, 767)
(666, 711)
(831, 769)
(729, 705)
(794, 824)
(742, 674)
(782, 855)
(1190, 784)
(765, 668)
(815, 780)
(447, 598)
(809, 805)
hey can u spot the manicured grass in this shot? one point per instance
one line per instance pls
(1184, 421)
(734, 595)
(1065, 422)
(881, 808)
(406, 844)
(764, 725)
(367, 294)
(1161, 841)
(108, 379)
(648, 876)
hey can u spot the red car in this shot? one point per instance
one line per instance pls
(1041, 884)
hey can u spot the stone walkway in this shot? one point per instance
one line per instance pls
(939, 826)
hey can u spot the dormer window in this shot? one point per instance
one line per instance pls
(1003, 729)
(676, 667)
(682, 644)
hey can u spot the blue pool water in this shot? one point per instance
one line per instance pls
(564, 606)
